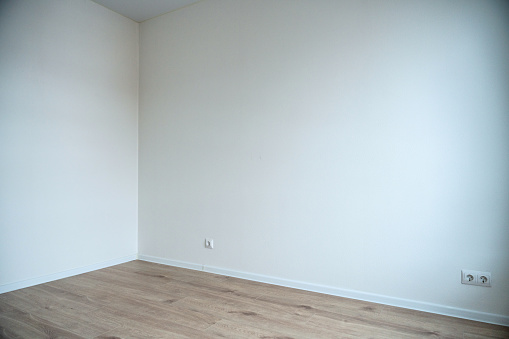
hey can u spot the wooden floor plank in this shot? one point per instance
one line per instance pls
(136, 329)
(131, 321)
(15, 323)
(145, 300)
(439, 325)
(155, 309)
(71, 316)
(100, 291)
(356, 329)
(150, 309)
(234, 330)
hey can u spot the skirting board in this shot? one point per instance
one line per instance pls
(351, 294)
(65, 274)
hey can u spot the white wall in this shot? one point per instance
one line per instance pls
(361, 145)
(68, 137)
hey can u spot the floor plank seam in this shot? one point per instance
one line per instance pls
(108, 331)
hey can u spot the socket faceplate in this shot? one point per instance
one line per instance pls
(477, 278)
(209, 243)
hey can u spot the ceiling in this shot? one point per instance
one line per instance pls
(141, 10)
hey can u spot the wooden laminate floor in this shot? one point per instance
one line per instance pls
(145, 300)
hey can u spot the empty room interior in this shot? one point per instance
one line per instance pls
(254, 168)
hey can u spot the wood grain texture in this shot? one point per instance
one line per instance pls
(145, 300)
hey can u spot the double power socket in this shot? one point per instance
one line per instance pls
(477, 278)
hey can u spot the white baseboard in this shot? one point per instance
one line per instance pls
(65, 274)
(375, 298)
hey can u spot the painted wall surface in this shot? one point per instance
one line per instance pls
(356, 144)
(68, 137)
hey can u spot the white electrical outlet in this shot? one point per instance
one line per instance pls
(477, 278)
(468, 277)
(484, 279)
(209, 243)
